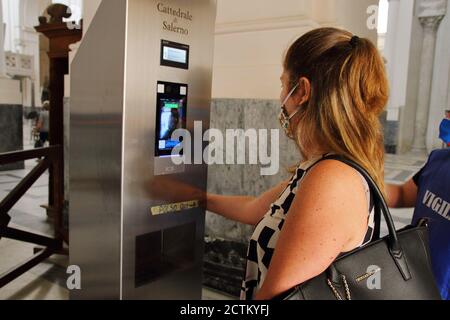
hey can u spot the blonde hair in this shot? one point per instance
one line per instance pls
(349, 91)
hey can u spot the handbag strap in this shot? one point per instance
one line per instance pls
(377, 222)
(380, 207)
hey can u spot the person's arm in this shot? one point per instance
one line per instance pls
(247, 210)
(402, 196)
(325, 220)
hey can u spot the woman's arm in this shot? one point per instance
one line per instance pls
(248, 210)
(403, 196)
(244, 209)
(329, 216)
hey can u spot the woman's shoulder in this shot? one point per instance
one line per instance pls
(333, 174)
(334, 192)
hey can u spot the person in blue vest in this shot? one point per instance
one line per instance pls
(429, 192)
(444, 130)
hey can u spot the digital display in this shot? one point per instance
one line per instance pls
(171, 119)
(170, 116)
(175, 55)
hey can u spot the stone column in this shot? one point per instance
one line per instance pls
(448, 93)
(430, 14)
(391, 51)
(391, 35)
(11, 137)
(2, 44)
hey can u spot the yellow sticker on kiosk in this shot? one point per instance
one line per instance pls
(174, 207)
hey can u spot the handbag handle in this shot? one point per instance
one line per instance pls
(393, 242)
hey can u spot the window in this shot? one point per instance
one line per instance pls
(12, 24)
(383, 14)
(383, 19)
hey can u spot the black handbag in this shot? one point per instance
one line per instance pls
(397, 267)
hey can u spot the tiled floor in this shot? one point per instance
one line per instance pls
(400, 168)
(47, 280)
(43, 282)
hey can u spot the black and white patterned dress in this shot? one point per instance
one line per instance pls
(264, 240)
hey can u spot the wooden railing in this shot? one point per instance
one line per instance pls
(50, 159)
(60, 38)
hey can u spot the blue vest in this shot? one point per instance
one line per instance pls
(444, 131)
(433, 203)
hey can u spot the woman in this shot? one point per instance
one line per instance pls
(334, 89)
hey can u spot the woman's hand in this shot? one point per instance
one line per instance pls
(166, 188)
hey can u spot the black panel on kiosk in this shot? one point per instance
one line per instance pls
(174, 54)
(170, 115)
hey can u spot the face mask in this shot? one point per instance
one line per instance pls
(285, 119)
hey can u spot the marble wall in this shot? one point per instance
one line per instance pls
(11, 133)
(391, 132)
(226, 241)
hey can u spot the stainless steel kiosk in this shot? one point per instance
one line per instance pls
(143, 70)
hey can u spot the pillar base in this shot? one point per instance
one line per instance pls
(10, 91)
(418, 152)
(11, 127)
(11, 120)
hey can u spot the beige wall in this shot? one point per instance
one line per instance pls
(89, 9)
(252, 35)
(352, 15)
